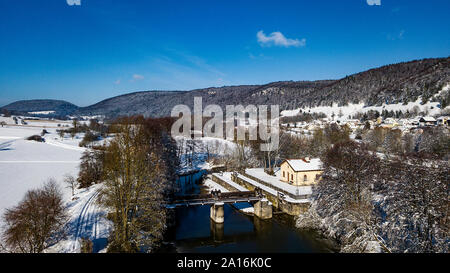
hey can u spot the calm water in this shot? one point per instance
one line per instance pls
(194, 232)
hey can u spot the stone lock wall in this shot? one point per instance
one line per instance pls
(286, 207)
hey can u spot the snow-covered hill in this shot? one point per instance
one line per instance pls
(344, 112)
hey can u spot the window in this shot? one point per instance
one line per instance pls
(305, 178)
(317, 177)
(283, 174)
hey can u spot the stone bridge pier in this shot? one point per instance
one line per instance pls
(263, 209)
(217, 212)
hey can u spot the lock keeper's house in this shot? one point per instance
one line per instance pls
(301, 172)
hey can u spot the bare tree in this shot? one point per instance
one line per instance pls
(375, 138)
(139, 172)
(91, 168)
(435, 142)
(61, 133)
(71, 182)
(343, 197)
(350, 167)
(408, 143)
(335, 133)
(393, 142)
(417, 205)
(37, 221)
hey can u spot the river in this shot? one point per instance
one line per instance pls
(194, 232)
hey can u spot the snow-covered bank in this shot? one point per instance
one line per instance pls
(327, 227)
(88, 220)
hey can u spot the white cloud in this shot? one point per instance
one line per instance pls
(73, 2)
(278, 39)
(374, 2)
(137, 77)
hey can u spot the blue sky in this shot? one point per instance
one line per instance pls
(103, 48)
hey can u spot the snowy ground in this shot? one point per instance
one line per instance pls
(26, 165)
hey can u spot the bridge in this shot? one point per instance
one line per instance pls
(217, 199)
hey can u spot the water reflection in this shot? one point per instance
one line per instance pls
(217, 231)
(189, 183)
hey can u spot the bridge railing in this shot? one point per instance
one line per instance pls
(218, 196)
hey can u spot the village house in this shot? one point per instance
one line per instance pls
(390, 121)
(301, 172)
(426, 121)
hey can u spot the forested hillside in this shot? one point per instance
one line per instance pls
(395, 83)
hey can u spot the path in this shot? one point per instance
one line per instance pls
(87, 224)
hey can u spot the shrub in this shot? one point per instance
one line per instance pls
(91, 168)
(36, 222)
(88, 138)
(36, 138)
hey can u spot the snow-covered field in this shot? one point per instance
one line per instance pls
(26, 165)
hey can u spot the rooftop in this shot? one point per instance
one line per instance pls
(431, 119)
(302, 165)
